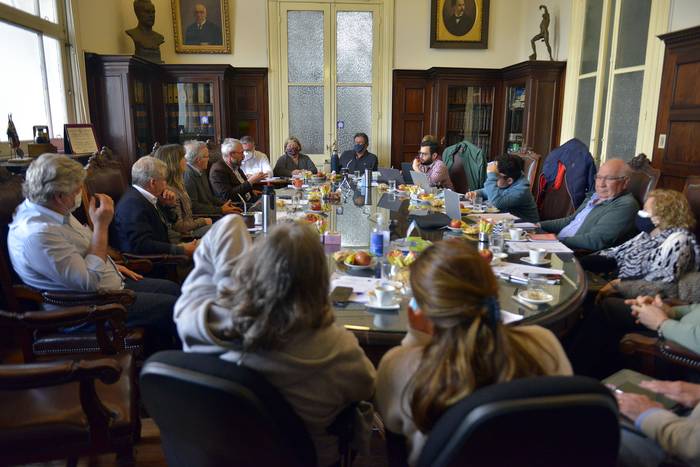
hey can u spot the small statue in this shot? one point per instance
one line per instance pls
(543, 35)
(146, 40)
(13, 138)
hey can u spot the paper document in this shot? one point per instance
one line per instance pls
(549, 246)
(496, 216)
(361, 286)
(520, 270)
(525, 225)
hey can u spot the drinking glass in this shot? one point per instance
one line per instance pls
(392, 185)
(496, 243)
(536, 283)
(478, 199)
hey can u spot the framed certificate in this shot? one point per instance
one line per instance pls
(79, 138)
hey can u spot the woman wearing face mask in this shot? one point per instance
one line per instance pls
(293, 162)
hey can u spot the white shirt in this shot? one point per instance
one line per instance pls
(256, 163)
(149, 196)
(49, 251)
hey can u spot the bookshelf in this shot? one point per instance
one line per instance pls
(515, 113)
(190, 111)
(469, 115)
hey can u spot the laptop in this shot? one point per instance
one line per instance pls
(452, 207)
(406, 168)
(390, 174)
(421, 179)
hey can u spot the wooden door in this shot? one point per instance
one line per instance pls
(412, 107)
(676, 151)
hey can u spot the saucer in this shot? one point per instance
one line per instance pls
(497, 257)
(544, 297)
(526, 259)
(377, 306)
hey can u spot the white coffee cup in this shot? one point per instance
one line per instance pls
(258, 218)
(516, 233)
(537, 255)
(385, 294)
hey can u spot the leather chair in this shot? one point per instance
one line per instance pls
(543, 421)
(212, 412)
(659, 358)
(69, 408)
(643, 178)
(691, 190)
(531, 167)
(17, 297)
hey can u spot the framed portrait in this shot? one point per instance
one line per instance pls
(459, 24)
(201, 26)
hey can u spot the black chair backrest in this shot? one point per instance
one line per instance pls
(544, 421)
(10, 197)
(212, 412)
(643, 178)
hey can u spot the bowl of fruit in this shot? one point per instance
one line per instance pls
(457, 225)
(360, 260)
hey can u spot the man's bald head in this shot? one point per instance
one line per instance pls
(612, 178)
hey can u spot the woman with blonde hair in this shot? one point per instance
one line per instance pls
(267, 307)
(293, 161)
(456, 344)
(174, 157)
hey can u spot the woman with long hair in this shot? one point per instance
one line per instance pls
(267, 307)
(456, 344)
(174, 157)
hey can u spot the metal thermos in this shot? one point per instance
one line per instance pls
(268, 208)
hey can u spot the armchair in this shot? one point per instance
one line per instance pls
(643, 178)
(691, 190)
(659, 358)
(531, 167)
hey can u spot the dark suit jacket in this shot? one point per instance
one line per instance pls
(352, 163)
(459, 29)
(138, 227)
(226, 185)
(204, 203)
(209, 34)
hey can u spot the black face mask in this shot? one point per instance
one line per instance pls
(643, 223)
(359, 148)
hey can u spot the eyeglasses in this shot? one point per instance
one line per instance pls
(424, 154)
(600, 178)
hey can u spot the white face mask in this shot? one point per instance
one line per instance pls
(248, 154)
(77, 202)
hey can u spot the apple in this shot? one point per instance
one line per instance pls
(315, 205)
(455, 223)
(362, 258)
(320, 175)
(486, 254)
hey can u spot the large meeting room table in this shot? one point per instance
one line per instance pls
(355, 215)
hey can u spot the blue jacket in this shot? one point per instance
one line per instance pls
(580, 169)
(516, 199)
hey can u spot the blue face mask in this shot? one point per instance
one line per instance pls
(643, 222)
(359, 148)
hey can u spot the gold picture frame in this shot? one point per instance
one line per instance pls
(197, 33)
(455, 27)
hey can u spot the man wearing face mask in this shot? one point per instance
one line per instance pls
(359, 158)
(50, 250)
(254, 162)
(428, 163)
(293, 162)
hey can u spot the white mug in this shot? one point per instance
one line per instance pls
(258, 218)
(537, 255)
(515, 234)
(385, 294)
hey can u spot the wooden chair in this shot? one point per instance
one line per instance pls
(531, 167)
(643, 178)
(659, 358)
(69, 408)
(691, 190)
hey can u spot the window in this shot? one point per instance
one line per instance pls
(35, 84)
(615, 70)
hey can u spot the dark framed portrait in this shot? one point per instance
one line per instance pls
(201, 26)
(459, 24)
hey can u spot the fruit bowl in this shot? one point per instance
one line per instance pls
(365, 260)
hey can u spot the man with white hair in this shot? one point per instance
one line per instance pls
(50, 250)
(227, 179)
(204, 203)
(141, 218)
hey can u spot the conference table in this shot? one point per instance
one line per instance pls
(355, 216)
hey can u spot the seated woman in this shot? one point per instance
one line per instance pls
(665, 249)
(456, 344)
(267, 307)
(174, 157)
(292, 162)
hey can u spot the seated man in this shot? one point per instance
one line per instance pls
(51, 250)
(359, 158)
(605, 218)
(228, 181)
(667, 434)
(428, 163)
(142, 215)
(508, 189)
(204, 203)
(254, 162)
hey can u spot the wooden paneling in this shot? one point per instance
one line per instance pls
(411, 106)
(249, 108)
(679, 110)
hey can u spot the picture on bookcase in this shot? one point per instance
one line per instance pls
(201, 26)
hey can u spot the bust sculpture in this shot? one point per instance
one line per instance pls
(146, 40)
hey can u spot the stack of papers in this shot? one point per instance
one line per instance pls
(496, 216)
(520, 270)
(361, 286)
(549, 246)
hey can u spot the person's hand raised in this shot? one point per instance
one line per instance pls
(101, 210)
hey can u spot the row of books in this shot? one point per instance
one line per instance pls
(479, 117)
(139, 92)
(461, 96)
(190, 119)
(189, 93)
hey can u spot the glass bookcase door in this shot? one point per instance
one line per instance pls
(515, 118)
(189, 111)
(142, 117)
(469, 116)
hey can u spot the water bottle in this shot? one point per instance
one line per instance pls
(268, 208)
(335, 161)
(376, 242)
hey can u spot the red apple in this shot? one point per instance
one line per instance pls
(486, 254)
(315, 205)
(362, 258)
(455, 223)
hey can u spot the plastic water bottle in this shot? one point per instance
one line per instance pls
(379, 240)
(335, 161)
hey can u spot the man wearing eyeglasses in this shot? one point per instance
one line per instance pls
(605, 218)
(508, 189)
(228, 181)
(427, 162)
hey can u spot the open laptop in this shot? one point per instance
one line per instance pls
(406, 168)
(452, 207)
(421, 179)
(390, 174)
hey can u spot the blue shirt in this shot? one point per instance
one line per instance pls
(516, 199)
(571, 229)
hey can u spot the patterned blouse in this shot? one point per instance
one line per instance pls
(662, 258)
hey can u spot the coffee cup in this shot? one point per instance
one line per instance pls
(249, 220)
(537, 255)
(258, 218)
(516, 233)
(385, 294)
